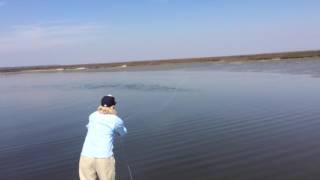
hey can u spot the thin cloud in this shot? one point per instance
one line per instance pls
(35, 37)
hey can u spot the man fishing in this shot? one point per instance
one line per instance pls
(97, 160)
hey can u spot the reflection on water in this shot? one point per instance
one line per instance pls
(253, 120)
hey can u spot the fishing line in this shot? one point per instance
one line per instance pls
(170, 99)
(125, 159)
(121, 143)
(178, 85)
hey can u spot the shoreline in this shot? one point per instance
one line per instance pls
(128, 64)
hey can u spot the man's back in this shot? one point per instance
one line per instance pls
(101, 130)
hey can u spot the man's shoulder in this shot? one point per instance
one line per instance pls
(93, 114)
(115, 117)
(97, 115)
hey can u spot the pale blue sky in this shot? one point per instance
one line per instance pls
(38, 32)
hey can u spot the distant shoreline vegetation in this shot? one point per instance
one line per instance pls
(79, 67)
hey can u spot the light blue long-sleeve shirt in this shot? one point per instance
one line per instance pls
(100, 135)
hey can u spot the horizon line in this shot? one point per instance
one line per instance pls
(255, 56)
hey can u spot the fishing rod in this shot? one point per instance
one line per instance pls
(125, 159)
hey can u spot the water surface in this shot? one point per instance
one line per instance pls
(222, 121)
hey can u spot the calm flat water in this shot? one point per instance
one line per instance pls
(235, 121)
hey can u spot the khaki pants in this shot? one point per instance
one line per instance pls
(90, 168)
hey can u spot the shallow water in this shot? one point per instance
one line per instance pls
(252, 120)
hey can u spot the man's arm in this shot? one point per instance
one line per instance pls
(120, 129)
